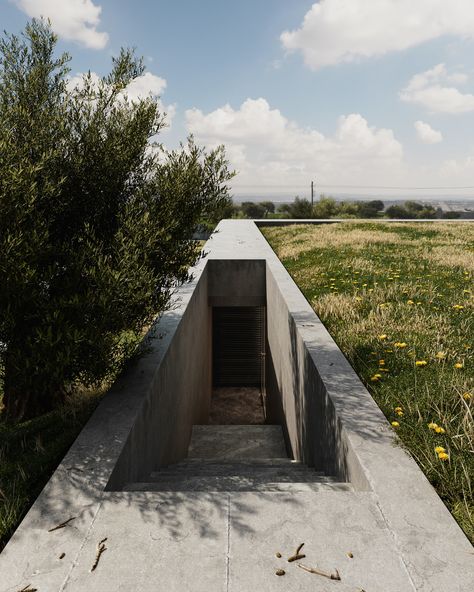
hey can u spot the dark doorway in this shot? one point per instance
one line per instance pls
(238, 348)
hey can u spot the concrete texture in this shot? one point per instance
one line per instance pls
(237, 442)
(236, 405)
(400, 533)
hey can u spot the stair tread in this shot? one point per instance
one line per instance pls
(268, 476)
(252, 486)
(237, 442)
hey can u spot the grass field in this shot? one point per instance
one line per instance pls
(398, 300)
(30, 452)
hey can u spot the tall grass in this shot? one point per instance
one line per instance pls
(398, 300)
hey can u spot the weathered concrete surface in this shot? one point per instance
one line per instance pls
(397, 527)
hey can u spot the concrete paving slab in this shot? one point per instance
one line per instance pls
(171, 542)
(331, 525)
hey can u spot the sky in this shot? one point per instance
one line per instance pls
(369, 97)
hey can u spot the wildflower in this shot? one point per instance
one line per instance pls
(358, 298)
(466, 291)
(443, 456)
(395, 424)
(376, 377)
(400, 344)
(421, 363)
(458, 306)
(397, 409)
(432, 425)
(441, 355)
(382, 337)
(400, 413)
(458, 365)
(381, 362)
(410, 302)
(439, 449)
(467, 396)
(439, 430)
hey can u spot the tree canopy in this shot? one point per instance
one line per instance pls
(96, 219)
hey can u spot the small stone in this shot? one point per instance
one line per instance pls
(280, 572)
(278, 555)
(350, 555)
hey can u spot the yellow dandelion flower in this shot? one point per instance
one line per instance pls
(439, 449)
(410, 302)
(400, 413)
(458, 306)
(376, 377)
(467, 396)
(440, 430)
(397, 409)
(395, 424)
(441, 355)
(421, 363)
(432, 425)
(400, 344)
(382, 337)
(443, 456)
(458, 365)
(381, 362)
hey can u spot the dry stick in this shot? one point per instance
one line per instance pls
(100, 549)
(297, 554)
(296, 557)
(334, 576)
(62, 525)
(28, 589)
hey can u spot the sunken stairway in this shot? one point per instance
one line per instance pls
(238, 458)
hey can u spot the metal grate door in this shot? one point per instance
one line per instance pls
(238, 348)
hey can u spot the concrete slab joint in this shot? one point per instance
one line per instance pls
(177, 515)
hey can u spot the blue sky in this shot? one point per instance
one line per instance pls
(355, 93)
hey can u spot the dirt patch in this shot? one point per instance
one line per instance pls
(236, 406)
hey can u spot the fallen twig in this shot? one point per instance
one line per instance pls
(297, 554)
(313, 570)
(62, 556)
(62, 525)
(28, 589)
(100, 549)
(296, 557)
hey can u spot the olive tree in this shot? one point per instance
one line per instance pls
(96, 219)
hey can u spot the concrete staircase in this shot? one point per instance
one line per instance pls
(238, 458)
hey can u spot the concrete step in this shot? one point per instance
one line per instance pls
(228, 470)
(243, 442)
(236, 484)
(264, 462)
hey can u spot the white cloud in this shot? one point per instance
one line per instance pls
(429, 90)
(335, 31)
(267, 148)
(74, 20)
(427, 134)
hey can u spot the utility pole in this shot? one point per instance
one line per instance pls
(312, 193)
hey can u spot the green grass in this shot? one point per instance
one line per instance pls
(378, 285)
(30, 452)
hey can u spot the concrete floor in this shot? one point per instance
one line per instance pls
(236, 406)
(219, 542)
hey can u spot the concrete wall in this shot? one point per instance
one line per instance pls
(178, 397)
